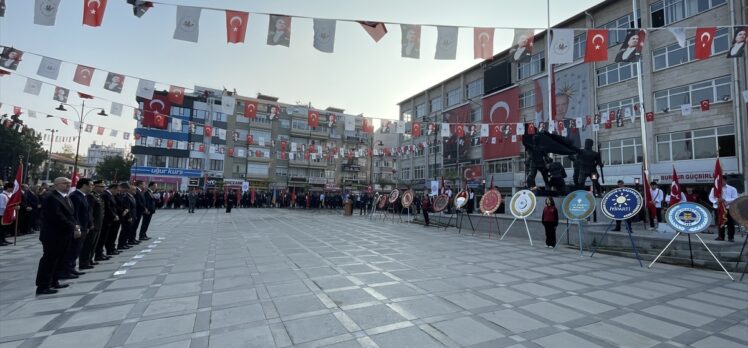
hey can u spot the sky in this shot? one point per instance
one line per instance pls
(361, 76)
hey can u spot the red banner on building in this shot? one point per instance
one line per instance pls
(501, 109)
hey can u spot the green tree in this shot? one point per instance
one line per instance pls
(15, 144)
(57, 171)
(114, 168)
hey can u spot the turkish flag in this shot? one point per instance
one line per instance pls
(312, 118)
(494, 130)
(16, 197)
(231, 152)
(649, 116)
(283, 155)
(170, 143)
(208, 132)
(609, 124)
(588, 120)
(17, 110)
(156, 112)
(703, 42)
(416, 130)
(250, 139)
(674, 189)
(236, 26)
(93, 12)
(311, 148)
(176, 95)
(201, 148)
(597, 46)
(83, 75)
(560, 126)
(376, 30)
(306, 155)
(366, 126)
(704, 105)
(284, 145)
(460, 130)
(483, 43)
(100, 131)
(719, 184)
(250, 109)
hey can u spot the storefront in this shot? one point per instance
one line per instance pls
(167, 178)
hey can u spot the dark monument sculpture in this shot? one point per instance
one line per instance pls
(539, 145)
(585, 166)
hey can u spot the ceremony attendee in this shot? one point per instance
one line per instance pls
(150, 208)
(86, 259)
(82, 214)
(691, 196)
(729, 194)
(425, 206)
(4, 198)
(30, 205)
(230, 201)
(110, 227)
(191, 201)
(59, 228)
(471, 201)
(126, 210)
(657, 197)
(618, 222)
(550, 222)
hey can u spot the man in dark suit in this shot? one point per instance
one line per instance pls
(86, 259)
(150, 208)
(140, 210)
(59, 227)
(110, 226)
(83, 217)
(126, 204)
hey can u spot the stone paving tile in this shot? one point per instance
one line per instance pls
(277, 278)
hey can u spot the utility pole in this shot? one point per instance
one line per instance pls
(51, 142)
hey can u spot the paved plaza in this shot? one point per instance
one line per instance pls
(277, 278)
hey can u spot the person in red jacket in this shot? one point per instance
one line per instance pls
(425, 207)
(550, 221)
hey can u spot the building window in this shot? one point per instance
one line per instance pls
(715, 90)
(216, 165)
(674, 55)
(420, 110)
(436, 104)
(156, 161)
(257, 169)
(696, 144)
(623, 151)
(285, 124)
(615, 36)
(625, 105)
(667, 12)
(219, 116)
(281, 171)
(407, 116)
(502, 166)
(474, 88)
(435, 170)
(534, 66)
(196, 163)
(527, 99)
(405, 173)
(453, 96)
(418, 171)
(616, 72)
(580, 42)
(477, 114)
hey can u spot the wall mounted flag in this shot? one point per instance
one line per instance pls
(176, 95)
(562, 46)
(596, 49)
(737, 47)
(145, 89)
(631, 49)
(521, 50)
(250, 109)
(703, 42)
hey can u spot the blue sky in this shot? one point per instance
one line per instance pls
(361, 76)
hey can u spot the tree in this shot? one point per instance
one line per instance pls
(58, 170)
(15, 144)
(67, 151)
(114, 168)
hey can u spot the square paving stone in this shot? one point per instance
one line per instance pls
(22, 326)
(232, 283)
(467, 331)
(96, 316)
(408, 337)
(92, 338)
(373, 278)
(534, 289)
(468, 300)
(314, 328)
(43, 305)
(564, 340)
(286, 289)
(172, 305)
(679, 315)
(234, 296)
(617, 336)
(236, 315)
(255, 337)
(513, 321)
(396, 290)
(349, 297)
(332, 282)
(505, 295)
(298, 304)
(584, 304)
(374, 316)
(150, 330)
(650, 325)
(552, 312)
(424, 307)
(178, 289)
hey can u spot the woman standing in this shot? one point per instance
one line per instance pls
(550, 221)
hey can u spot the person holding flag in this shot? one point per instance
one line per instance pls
(721, 196)
(676, 194)
(10, 203)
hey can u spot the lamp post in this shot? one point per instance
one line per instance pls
(81, 117)
(51, 142)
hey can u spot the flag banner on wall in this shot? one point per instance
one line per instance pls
(703, 42)
(562, 46)
(145, 89)
(116, 109)
(93, 12)
(631, 49)
(114, 82)
(737, 45)
(596, 49)
(176, 95)
(32, 86)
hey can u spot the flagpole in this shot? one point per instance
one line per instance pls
(549, 66)
(640, 88)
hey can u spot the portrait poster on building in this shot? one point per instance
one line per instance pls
(572, 99)
(457, 145)
(501, 109)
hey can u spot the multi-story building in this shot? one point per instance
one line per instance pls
(97, 153)
(212, 140)
(673, 84)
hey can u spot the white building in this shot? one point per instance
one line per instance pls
(97, 153)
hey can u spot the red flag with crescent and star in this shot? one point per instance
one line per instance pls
(416, 129)
(15, 198)
(648, 202)
(250, 109)
(176, 95)
(250, 139)
(597, 46)
(156, 112)
(717, 188)
(208, 131)
(236, 26)
(83, 75)
(703, 42)
(704, 105)
(312, 118)
(483, 43)
(93, 12)
(674, 189)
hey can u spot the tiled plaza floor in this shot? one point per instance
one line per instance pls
(270, 277)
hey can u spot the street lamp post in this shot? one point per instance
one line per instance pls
(81, 117)
(51, 142)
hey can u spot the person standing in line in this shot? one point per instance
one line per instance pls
(657, 197)
(729, 194)
(230, 201)
(4, 198)
(425, 206)
(140, 210)
(126, 204)
(86, 259)
(150, 199)
(471, 201)
(59, 228)
(83, 216)
(550, 222)
(110, 226)
(192, 201)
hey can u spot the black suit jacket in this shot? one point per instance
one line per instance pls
(110, 206)
(59, 221)
(140, 203)
(150, 201)
(82, 209)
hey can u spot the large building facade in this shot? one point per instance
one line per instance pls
(673, 83)
(206, 144)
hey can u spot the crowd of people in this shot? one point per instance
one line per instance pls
(82, 226)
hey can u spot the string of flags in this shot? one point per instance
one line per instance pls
(6, 121)
(187, 28)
